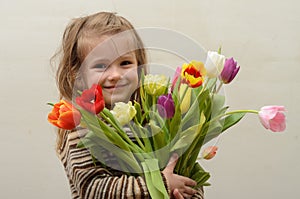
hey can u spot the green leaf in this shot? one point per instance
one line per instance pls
(138, 109)
(97, 146)
(211, 84)
(214, 130)
(217, 104)
(192, 116)
(199, 175)
(160, 144)
(176, 119)
(232, 119)
(154, 179)
(186, 137)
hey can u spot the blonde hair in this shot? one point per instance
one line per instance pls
(75, 42)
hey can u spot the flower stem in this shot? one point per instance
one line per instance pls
(233, 112)
(136, 137)
(242, 111)
(219, 87)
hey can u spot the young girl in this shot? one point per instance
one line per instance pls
(94, 50)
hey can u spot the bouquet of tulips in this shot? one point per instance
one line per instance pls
(172, 117)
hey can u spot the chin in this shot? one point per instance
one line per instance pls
(118, 99)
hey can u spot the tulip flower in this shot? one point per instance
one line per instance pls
(92, 99)
(155, 84)
(214, 63)
(166, 106)
(273, 118)
(64, 115)
(185, 94)
(123, 112)
(229, 71)
(175, 77)
(209, 152)
(193, 73)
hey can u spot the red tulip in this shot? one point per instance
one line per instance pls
(92, 99)
(273, 118)
(64, 115)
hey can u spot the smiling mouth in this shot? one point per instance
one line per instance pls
(114, 87)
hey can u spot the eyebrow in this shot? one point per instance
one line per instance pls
(127, 55)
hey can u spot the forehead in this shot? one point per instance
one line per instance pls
(110, 48)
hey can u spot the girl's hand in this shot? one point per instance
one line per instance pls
(180, 186)
(177, 194)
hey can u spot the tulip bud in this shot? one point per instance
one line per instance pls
(185, 94)
(209, 152)
(155, 84)
(214, 63)
(175, 77)
(92, 99)
(229, 71)
(64, 115)
(123, 112)
(166, 106)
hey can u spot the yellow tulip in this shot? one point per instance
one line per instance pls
(185, 93)
(155, 84)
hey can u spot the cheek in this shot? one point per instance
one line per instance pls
(133, 77)
(94, 78)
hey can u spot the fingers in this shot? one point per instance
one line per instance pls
(177, 194)
(172, 162)
(190, 182)
(189, 191)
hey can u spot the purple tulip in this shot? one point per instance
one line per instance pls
(166, 106)
(229, 71)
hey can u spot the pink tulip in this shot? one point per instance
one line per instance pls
(175, 77)
(273, 118)
(209, 152)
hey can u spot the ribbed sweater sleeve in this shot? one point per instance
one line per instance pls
(88, 181)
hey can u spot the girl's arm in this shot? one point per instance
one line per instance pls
(88, 181)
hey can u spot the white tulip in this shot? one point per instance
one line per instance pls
(214, 63)
(123, 112)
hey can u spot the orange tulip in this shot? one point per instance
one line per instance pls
(209, 152)
(64, 115)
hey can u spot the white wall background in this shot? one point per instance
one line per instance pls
(263, 35)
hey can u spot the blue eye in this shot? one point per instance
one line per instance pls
(100, 66)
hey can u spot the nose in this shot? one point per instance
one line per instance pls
(114, 73)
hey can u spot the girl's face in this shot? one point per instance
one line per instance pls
(113, 65)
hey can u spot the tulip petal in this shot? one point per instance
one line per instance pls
(64, 115)
(92, 99)
(273, 118)
(193, 73)
(277, 124)
(209, 152)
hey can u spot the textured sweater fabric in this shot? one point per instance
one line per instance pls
(90, 181)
